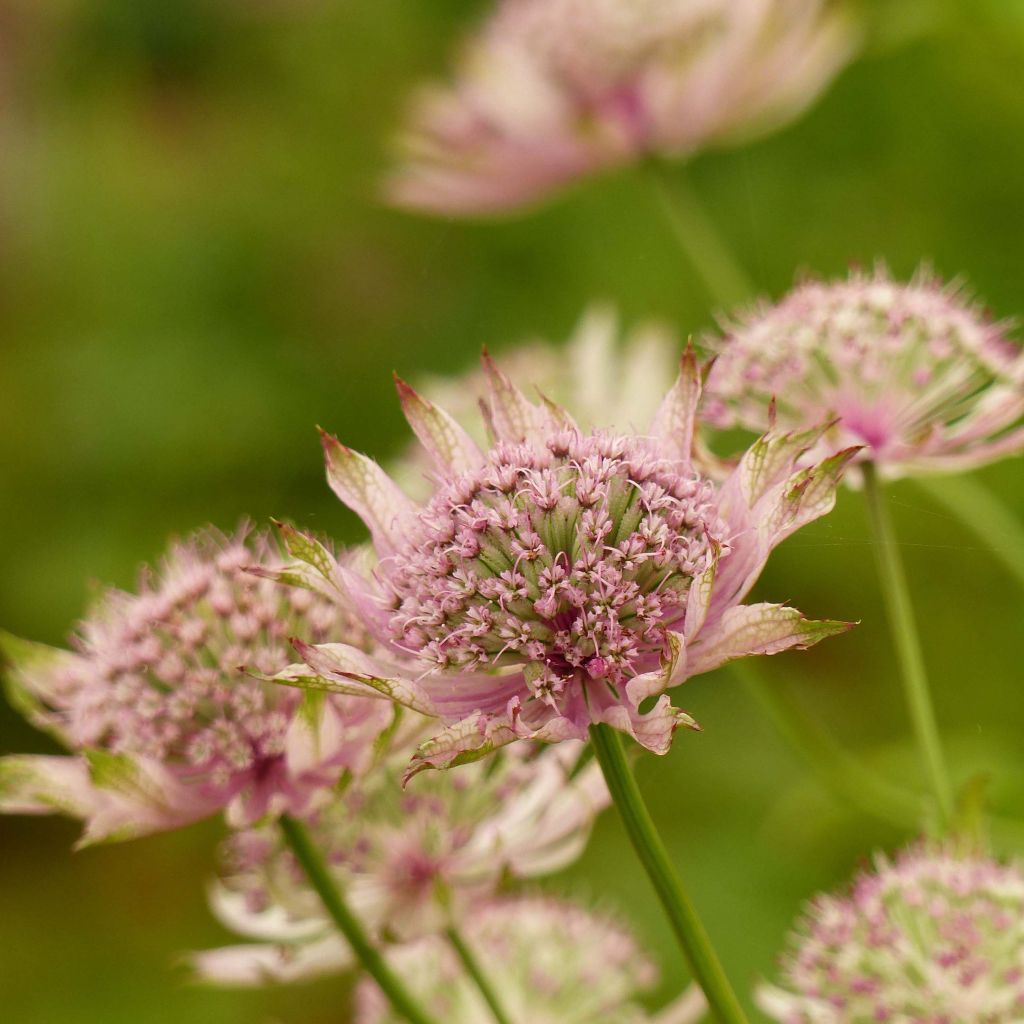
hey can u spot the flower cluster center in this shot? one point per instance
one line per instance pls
(572, 558)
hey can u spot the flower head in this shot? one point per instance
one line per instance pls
(549, 91)
(915, 373)
(934, 935)
(549, 963)
(561, 578)
(411, 861)
(155, 701)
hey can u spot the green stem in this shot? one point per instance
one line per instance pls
(699, 238)
(983, 514)
(476, 972)
(838, 768)
(908, 646)
(694, 940)
(312, 863)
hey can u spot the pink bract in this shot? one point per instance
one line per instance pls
(155, 701)
(562, 578)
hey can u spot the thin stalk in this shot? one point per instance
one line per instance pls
(476, 972)
(699, 238)
(896, 594)
(840, 770)
(682, 915)
(313, 865)
(983, 514)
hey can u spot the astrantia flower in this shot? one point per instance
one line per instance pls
(410, 861)
(562, 578)
(933, 936)
(549, 963)
(154, 701)
(916, 374)
(551, 90)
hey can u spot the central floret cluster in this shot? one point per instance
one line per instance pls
(572, 556)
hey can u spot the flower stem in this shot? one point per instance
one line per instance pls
(908, 646)
(983, 514)
(476, 972)
(312, 863)
(702, 244)
(840, 770)
(694, 940)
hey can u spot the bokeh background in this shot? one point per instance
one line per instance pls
(194, 270)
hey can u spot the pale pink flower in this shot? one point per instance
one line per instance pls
(935, 935)
(915, 373)
(153, 700)
(559, 578)
(549, 962)
(409, 861)
(548, 91)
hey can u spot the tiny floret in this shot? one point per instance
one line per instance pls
(549, 91)
(917, 374)
(932, 935)
(158, 702)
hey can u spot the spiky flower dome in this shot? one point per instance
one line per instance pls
(549, 962)
(932, 936)
(560, 578)
(155, 702)
(411, 861)
(549, 91)
(915, 372)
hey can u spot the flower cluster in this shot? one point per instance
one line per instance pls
(549, 91)
(411, 860)
(913, 372)
(934, 935)
(550, 963)
(561, 578)
(155, 702)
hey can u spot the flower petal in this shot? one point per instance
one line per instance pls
(673, 423)
(256, 964)
(511, 416)
(758, 629)
(451, 448)
(366, 489)
(340, 668)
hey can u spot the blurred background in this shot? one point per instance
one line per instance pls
(194, 270)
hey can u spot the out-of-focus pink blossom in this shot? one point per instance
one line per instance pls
(562, 578)
(549, 962)
(154, 701)
(548, 91)
(915, 373)
(934, 935)
(410, 861)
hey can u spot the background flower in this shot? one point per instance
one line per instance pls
(411, 860)
(549, 963)
(563, 578)
(551, 90)
(934, 934)
(917, 374)
(155, 702)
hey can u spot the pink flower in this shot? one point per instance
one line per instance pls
(549, 91)
(410, 861)
(915, 373)
(561, 578)
(549, 962)
(934, 935)
(155, 703)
